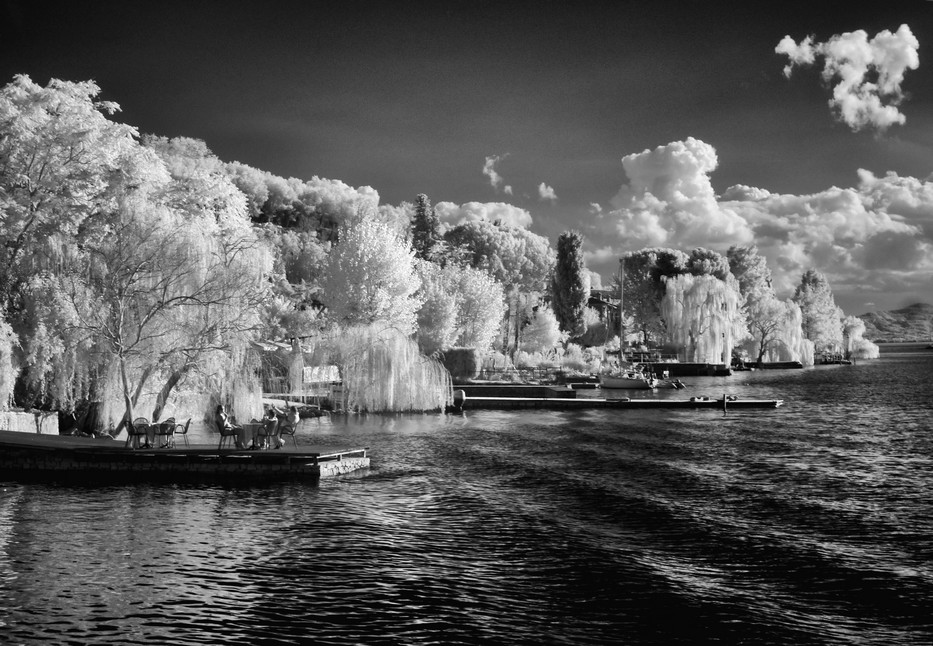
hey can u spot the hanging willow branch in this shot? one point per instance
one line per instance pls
(383, 371)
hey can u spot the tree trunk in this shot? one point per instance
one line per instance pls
(163, 396)
(127, 398)
(762, 347)
(518, 321)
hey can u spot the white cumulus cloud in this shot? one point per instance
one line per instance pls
(868, 74)
(489, 170)
(452, 214)
(873, 238)
(669, 199)
(546, 192)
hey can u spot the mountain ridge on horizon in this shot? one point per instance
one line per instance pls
(910, 323)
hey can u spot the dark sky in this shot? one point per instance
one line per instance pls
(411, 97)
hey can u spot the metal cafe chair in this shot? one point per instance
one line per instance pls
(182, 429)
(138, 433)
(289, 430)
(165, 431)
(227, 433)
(267, 431)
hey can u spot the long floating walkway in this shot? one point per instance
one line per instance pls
(574, 403)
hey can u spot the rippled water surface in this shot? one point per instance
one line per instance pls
(809, 524)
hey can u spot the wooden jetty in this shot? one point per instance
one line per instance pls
(29, 455)
(462, 401)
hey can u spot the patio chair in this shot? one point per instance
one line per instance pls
(266, 431)
(288, 430)
(136, 432)
(164, 433)
(182, 429)
(227, 433)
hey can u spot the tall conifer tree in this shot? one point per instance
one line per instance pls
(570, 285)
(425, 229)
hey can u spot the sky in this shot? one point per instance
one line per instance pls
(803, 128)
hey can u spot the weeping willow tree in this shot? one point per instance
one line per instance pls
(383, 371)
(154, 297)
(793, 341)
(703, 315)
(856, 345)
(296, 369)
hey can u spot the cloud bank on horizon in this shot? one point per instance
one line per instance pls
(867, 73)
(873, 238)
(876, 237)
(451, 214)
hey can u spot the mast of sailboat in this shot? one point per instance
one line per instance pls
(621, 314)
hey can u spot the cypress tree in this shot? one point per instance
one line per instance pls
(425, 227)
(570, 287)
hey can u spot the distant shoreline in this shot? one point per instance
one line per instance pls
(903, 346)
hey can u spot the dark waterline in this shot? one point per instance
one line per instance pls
(811, 524)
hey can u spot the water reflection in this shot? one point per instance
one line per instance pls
(810, 524)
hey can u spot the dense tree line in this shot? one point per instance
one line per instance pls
(136, 266)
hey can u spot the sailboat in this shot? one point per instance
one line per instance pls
(633, 378)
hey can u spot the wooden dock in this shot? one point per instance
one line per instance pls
(471, 402)
(29, 455)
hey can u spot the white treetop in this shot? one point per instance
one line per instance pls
(370, 276)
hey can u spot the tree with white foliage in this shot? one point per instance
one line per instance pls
(542, 334)
(520, 260)
(856, 345)
(60, 159)
(751, 270)
(771, 327)
(161, 294)
(463, 308)
(480, 307)
(437, 317)
(822, 319)
(370, 276)
(704, 316)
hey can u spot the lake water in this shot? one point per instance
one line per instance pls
(809, 524)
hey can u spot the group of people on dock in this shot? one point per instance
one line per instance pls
(271, 427)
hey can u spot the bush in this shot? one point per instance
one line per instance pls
(534, 360)
(576, 358)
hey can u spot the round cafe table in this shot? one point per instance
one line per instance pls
(248, 434)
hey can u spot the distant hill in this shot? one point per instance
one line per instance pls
(912, 323)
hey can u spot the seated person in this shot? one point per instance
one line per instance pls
(292, 418)
(290, 422)
(223, 421)
(270, 426)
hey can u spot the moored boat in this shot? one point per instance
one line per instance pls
(632, 379)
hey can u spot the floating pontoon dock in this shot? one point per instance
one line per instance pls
(32, 455)
(462, 401)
